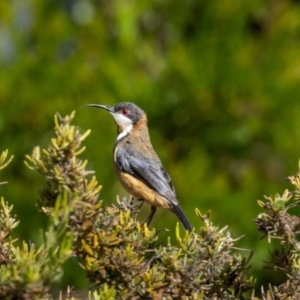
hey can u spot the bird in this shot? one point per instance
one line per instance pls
(136, 163)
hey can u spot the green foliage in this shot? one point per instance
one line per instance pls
(3, 157)
(27, 272)
(7, 224)
(279, 223)
(60, 166)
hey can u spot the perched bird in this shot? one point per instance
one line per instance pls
(137, 165)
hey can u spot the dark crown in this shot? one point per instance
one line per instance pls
(130, 110)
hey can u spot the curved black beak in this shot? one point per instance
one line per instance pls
(106, 107)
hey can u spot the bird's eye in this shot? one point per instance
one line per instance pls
(125, 111)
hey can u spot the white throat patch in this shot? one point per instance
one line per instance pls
(124, 123)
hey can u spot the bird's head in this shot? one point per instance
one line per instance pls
(126, 115)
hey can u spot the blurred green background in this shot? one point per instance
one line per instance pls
(219, 80)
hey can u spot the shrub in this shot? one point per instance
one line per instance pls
(121, 257)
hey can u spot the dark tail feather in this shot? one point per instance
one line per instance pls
(181, 216)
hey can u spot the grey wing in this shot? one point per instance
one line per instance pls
(167, 177)
(150, 172)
